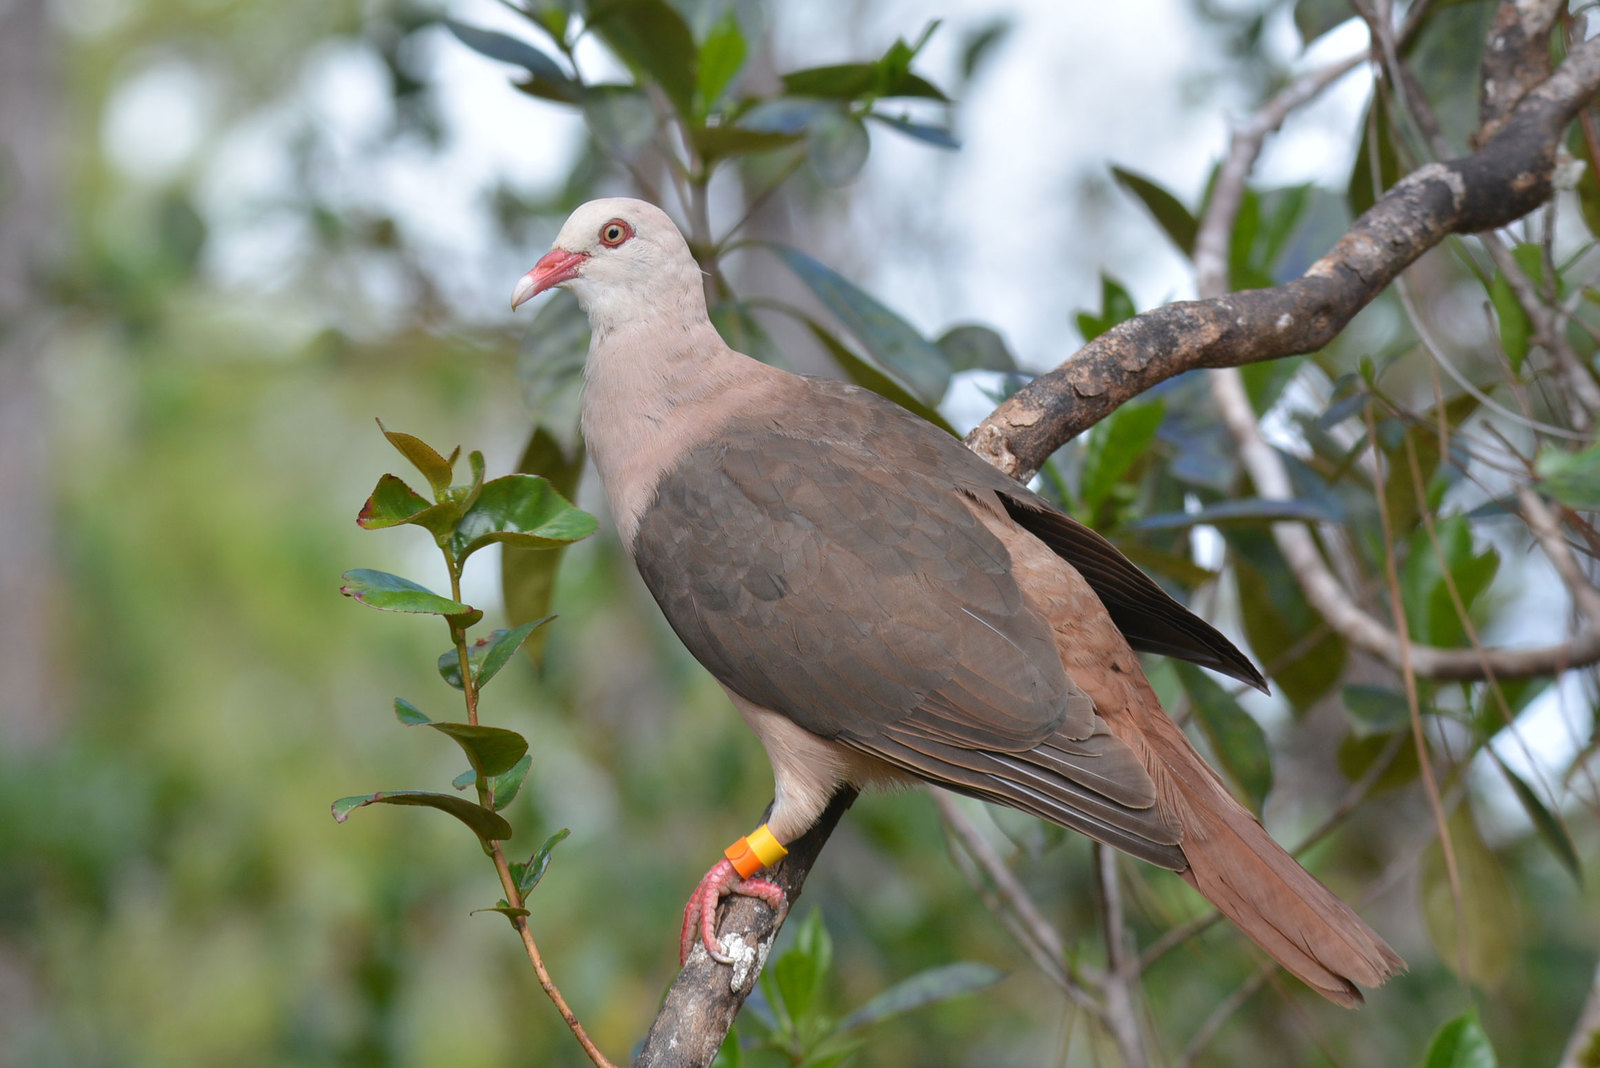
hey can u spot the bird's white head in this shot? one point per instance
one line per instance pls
(623, 259)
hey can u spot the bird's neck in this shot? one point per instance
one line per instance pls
(649, 397)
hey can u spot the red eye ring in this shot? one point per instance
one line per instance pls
(615, 233)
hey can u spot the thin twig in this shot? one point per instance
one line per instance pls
(1122, 968)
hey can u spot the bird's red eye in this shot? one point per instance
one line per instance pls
(615, 233)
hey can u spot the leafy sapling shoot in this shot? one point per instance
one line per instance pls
(521, 511)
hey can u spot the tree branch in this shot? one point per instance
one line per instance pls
(1504, 180)
(705, 997)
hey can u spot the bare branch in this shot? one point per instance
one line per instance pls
(1507, 178)
(1122, 967)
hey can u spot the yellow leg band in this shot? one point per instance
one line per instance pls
(755, 851)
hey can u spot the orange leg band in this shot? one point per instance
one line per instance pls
(755, 851)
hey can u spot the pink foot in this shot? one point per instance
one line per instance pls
(700, 914)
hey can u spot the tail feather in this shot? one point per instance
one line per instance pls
(1254, 882)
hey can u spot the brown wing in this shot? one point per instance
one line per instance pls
(871, 607)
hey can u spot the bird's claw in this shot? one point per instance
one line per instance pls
(700, 914)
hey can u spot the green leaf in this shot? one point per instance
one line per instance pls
(867, 374)
(1573, 478)
(730, 1055)
(924, 988)
(507, 49)
(981, 44)
(528, 576)
(1280, 625)
(720, 142)
(721, 55)
(488, 826)
(486, 656)
(1358, 752)
(971, 347)
(1376, 709)
(379, 589)
(1175, 220)
(1282, 210)
(1244, 271)
(1237, 740)
(1549, 826)
(743, 332)
(562, 91)
(892, 344)
(490, 750)
(505, 910)
(1516, 329)
(527, 875)
(506, 785)
(1461, 1043)
(854, 81)
(1362, 194)
(424, 457)
(1115, 445)
(1588, 182)
(784, 115)
(521, 510)
(1488, 934)
(652, 39)
(1253, 510)
(837, 146)
(619, 116)
(937, 136)
(408, 713)
(799, 973)
(1430, 608)
(1115, 307)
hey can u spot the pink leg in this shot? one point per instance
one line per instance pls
(700, 914)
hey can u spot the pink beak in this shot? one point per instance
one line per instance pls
(554, 267)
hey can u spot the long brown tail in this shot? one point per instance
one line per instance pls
(1255, 883)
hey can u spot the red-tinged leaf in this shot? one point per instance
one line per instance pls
(391, 593)
(392, 502)
(424, 457)
(488, 826)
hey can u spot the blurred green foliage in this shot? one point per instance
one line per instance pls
(172, 891)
